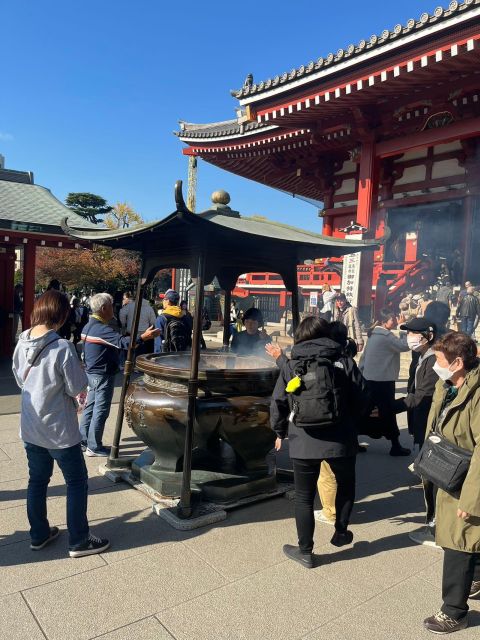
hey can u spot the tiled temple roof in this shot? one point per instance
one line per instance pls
(233, 128)
(387, 36)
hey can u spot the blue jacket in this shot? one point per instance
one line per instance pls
(102, 346)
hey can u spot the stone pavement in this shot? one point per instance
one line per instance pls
(224, 582)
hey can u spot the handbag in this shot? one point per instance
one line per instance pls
(443, 463)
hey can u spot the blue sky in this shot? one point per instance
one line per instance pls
(91, 91)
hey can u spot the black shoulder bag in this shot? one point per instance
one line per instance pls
(441, 462)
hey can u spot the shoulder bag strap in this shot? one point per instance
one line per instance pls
(37, 355)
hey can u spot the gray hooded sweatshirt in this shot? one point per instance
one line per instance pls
(49, 414)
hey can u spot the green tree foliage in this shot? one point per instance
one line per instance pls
(88, 205)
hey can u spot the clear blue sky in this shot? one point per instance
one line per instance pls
(92, 90)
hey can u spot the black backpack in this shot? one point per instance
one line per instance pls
(319, 400)
(177, 335)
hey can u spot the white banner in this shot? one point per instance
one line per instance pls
(351, 272)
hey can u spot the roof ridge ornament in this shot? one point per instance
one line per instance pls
(179, 200)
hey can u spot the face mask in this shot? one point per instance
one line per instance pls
(415, 342)
(443, 373)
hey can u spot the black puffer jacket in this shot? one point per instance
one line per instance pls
(337, 441)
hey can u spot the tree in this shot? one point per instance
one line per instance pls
(99, 268)
(88, 205)
(122, 216)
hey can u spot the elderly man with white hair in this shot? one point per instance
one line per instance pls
(102, 347)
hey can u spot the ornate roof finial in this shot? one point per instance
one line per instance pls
(220, 197)
(248, 80)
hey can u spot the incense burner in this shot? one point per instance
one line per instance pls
(232, 434)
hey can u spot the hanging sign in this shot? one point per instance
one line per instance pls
(351, 272)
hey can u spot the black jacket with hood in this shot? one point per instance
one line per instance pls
(337, 441)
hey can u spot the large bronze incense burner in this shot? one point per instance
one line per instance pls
(206, 417)
(231, 432)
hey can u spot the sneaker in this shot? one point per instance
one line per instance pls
(341, 539)
(294, 553)
(91, 546)
(321, 517)
(475, 590)
(441, 623)
(54, 533)
(103, 452)
(424, 536)
(83, 444)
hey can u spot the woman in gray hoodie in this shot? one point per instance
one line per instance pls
(50, 375)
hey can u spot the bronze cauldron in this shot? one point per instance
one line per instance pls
(232, 434)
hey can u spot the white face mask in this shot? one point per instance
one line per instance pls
(415, 341)
(443, 373)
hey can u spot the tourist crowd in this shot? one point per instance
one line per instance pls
(322, 402)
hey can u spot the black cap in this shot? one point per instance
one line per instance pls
(419, 325)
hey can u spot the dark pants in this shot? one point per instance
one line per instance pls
(459, 571)
(430, 495)
(40, 467)
(467, 325)
(383, 397)
(306, 474)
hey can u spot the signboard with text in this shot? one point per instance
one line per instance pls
(351, 272)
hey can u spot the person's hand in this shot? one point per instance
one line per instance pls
(278, 444)
(374, 413)
(360, 346)
(462, 514)
(273, 350)
(150, 333)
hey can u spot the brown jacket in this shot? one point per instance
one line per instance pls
(462, 427)
(349, 317)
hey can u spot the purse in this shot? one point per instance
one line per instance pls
(442, 462)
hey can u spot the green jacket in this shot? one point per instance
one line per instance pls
(462, 427)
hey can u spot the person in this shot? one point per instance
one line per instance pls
(102, 347)
(48, 371)
(468, 312)
(380, 365)
(147, 319)
(17, 308)
(79, 318)
(315, 430)
(328, 302)
(344, 312)
(455, 415)
(175, 330)
(445, 294)
(254, 338)
(233, 318)
(423, 302)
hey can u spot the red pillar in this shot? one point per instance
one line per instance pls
(29, 255)
(327, 226)
(368, 180)
(7, 273)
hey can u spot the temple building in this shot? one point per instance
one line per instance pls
(30, 217)
(386, 134)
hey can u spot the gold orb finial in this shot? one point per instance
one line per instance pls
(220, 197)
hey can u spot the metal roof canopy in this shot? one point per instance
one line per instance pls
(231, 244)
(218, 242)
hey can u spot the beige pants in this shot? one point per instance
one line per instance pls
(327, 490)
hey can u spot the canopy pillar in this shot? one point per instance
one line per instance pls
(29, 256)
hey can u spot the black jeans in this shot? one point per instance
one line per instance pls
(383, 396)
(306, 474)
(459, 570)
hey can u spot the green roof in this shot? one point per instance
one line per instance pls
(30, 207)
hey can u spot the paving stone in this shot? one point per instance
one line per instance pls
(21, 568)
(17, 621)
(397, 613)
(3, 455)
(147, 629)
(99, 601)
(282, 602)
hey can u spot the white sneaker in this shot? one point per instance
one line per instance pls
(321, 517)
(424, 536)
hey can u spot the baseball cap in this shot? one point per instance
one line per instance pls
(171, 295)
(419, 325)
